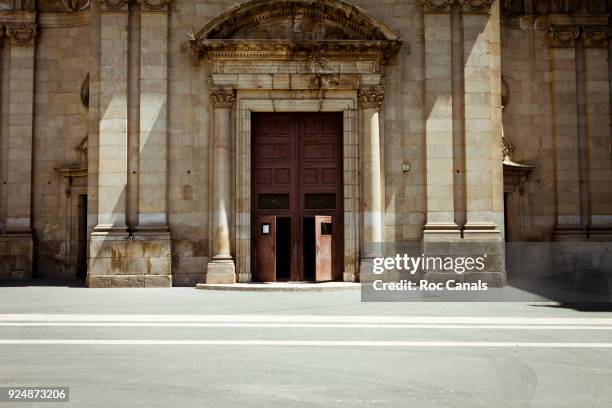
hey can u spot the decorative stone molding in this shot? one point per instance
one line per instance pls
(85, 92)
(222, 97)
(114, 5)
(595, 37)
(286, 50)
(352, 20)
(21, 33)
(563, 36)
(476, 6)
(326, 29)
(436, 6)
(371, 97)
(154, 5)
(73, 6)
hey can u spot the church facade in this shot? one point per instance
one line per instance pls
(151, 143)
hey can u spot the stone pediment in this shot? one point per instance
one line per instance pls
(295, 30)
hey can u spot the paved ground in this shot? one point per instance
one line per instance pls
(183, 347)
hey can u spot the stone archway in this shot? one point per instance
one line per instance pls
(299, 55)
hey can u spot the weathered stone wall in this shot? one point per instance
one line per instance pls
(440, 136)
(62, 64)
(558, 119)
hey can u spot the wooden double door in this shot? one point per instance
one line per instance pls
(297, 197)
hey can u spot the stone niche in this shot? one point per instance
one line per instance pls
(282, 56)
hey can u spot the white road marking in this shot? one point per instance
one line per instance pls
(436, 320)
(304, 343)
(307, 325)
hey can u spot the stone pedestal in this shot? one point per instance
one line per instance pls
(120, 260)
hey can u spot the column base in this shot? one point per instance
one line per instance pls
(441, 232)
(221, 271)
(569, 233)
(117, 259)
(16, 255)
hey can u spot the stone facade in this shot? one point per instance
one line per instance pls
(143, 107)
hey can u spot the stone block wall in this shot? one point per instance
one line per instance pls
(136, 261)
(16, 253)
(558, 119)
(62, 66)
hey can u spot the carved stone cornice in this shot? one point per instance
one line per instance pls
(563, 36)
(371, 97)
(154, 5)
(595, 37)
(114, 5)
(286, 50)
(222, 97)
(21, 33)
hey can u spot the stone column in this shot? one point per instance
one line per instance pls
(482, 112)
(21, 126)
(440, 224)
(152, 186)
(108, 242)
(565, 132)
(112, 170)
(18, 243)
(371, 101)
(221, 268)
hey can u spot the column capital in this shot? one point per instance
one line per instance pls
(222, 97)
(21, 33)
(596, 36)
(113, 5)
(436, 6)
(563, 36)
(371, 97)
(444, 6)
(154, 5)
(475, 6)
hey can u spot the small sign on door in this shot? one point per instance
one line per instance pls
(265, 229)
(326, 228)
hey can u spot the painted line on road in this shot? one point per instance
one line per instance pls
(306, 325)
(442, 320)
(303, 343)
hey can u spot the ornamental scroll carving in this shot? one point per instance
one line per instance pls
(145, 5)
(596, 37)
(591, 36)
(21, 33)
(444, 6)
(154, 5)
(222, 97)
(563, 36)
(313, 31)
(371, 97)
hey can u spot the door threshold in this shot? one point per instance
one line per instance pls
(289, 286)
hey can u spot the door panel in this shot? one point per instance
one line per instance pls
(323, 244)
(265, 248)
(297, 174)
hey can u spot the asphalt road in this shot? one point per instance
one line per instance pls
(186, 348)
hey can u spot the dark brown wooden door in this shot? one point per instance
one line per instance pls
(296, 176)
